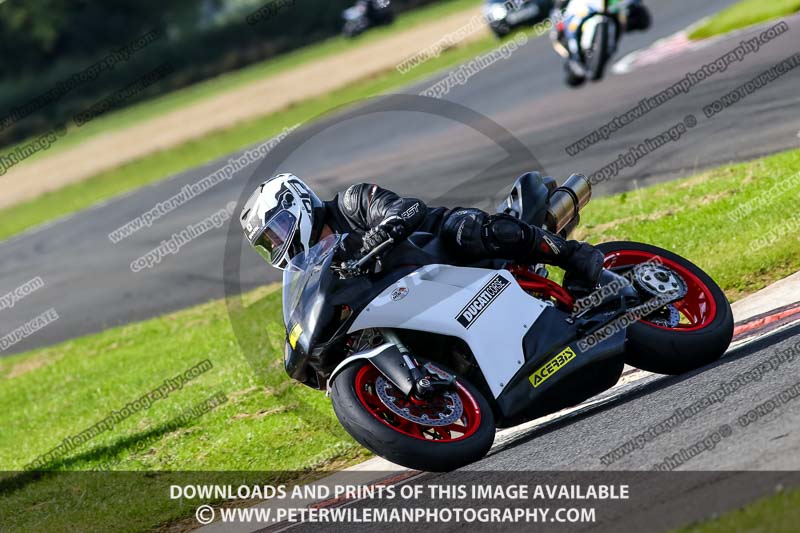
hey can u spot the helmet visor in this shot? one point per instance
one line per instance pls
(276, 238)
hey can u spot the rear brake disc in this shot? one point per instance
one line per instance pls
(659, 281)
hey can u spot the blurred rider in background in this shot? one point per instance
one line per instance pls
(633, 14)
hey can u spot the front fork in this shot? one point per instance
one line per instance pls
(395, 362)
(422, 384)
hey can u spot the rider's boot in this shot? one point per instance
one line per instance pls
(580, 260)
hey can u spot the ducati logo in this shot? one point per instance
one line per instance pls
(399, 293)
(488, 294)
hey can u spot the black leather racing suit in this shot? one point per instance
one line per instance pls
(470, 234)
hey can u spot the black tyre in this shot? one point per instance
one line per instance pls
(413, 445)
(501, 29)
(706, 326)
(598, 55)
(353, 29)
(571, 78)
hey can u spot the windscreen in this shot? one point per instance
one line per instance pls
(302, 269)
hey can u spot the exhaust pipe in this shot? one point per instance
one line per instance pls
(566, 202)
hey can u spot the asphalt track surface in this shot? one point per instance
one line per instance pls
(760, 452)
(767, 442)
(88, 278)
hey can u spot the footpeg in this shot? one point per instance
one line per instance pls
(611, 289)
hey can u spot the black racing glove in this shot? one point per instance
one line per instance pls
(392, 228)
(585, 261)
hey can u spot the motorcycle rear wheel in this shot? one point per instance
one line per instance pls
(435, 449)
(706, 326)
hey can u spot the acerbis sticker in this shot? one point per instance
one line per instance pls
(473, 310)
(551, 367)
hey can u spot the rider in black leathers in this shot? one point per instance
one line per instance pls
(378, 214)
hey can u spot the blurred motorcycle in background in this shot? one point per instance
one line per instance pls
(586, 34)
(505, 15)
(366, 14)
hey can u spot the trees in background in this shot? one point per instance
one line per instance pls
(43, 42)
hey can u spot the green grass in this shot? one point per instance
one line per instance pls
(158, 166)
(774, 514)
(690, 217)
(270, 423)
(743, 14)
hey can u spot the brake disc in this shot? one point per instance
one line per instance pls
(445, 415)
(659, 281)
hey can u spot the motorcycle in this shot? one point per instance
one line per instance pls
(587, 34)
(424, 357)
(366, 14)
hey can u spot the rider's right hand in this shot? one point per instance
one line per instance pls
(393, 228)
(374, 238)
(585, 261)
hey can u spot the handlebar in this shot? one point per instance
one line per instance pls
(353, 267)
(372, 253)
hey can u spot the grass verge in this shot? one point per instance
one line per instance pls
(50, 393)
(777, 514)
(230, 80)
(158, 166)
(692, 217)
(743, 14)
(264, 434)
(72, 198)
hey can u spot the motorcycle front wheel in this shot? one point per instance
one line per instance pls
(353, 29)
(437, 434)
(599, 53)
(572, 78)
(705, 327)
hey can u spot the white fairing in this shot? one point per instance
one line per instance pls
(587, 36)
(486, 308)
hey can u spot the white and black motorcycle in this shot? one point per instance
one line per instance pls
(366, 14)
(586, 34)
(425, 359)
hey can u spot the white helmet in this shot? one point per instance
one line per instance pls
(282, 218)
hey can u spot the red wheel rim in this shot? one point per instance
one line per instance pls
(463, 428)
(698, 308)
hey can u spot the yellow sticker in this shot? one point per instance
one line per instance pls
(297, 330)
(551, 367)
